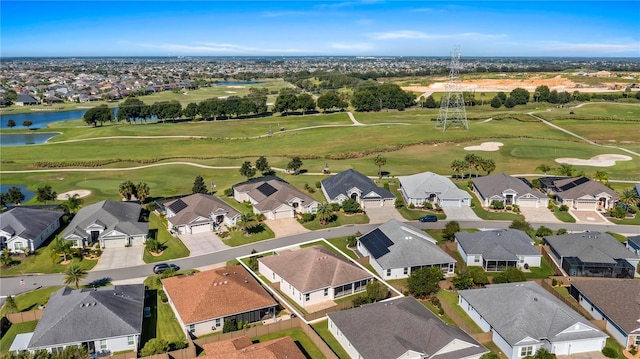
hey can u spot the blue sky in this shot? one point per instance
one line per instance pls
(292, 28)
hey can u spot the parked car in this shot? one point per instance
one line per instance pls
(162, 267)
(429, 218)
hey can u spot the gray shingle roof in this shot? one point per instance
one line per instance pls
(520, 310)
(589, 247)
(389, 329)
(312, 268)
(346, 180)
(635, 240)
(200, 205)
(26, 98)
(26, 222)
(501, 244)
(407, 246)
(619, 299)
(268, 200)
(422, 184)
(574, 188)
(73, 316)
(123, 215)
(495, 184)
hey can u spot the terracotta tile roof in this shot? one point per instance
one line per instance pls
(313, 268)
(243, 348)
(216, 293)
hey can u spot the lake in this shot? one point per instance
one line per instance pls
(27, 194)
(40, 118)
(21, 139)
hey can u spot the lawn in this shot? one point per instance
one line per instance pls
(413, 214)
(32, 300)
(563, 216)
(488, 215)
(619, 237)
(451, 298)
(303, 342)
(240, 238)
(341, 243)
(544, 271)
(322, 328)
(341, 220)
(635, 220)
(18, 328)
(162, 323)
(613, 344)
(174, 248)
(445, 318)
(437, 234)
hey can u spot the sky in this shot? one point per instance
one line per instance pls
(319, 28)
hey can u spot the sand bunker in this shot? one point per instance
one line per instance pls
(606, 160)
(485, 146)
(80, 192)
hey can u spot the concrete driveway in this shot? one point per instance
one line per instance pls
(285, 227)
(592, 217)
(588, 355)
(542, 214)
(120, 257)
(202, 243)
(383, 214)
(460, 214)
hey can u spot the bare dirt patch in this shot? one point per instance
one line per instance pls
(606, 160)
(485, 146)
(80, 192)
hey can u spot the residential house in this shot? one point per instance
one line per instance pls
(27, 228)
(243, 348)
(274, 198)
(112, 224)
(313, 274)
(496, 250)
(396, 249)
(199, 213)
(105, 320)
(508, 190)
(617, 301)
(580, 193)
(26, 100)
(428, 187)
(637, 189)
(592, 254)
(633, 244)
(204, 301)
(523, 317)
(400, 328)
(351, 184)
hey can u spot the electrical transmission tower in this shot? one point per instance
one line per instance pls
(452, 112)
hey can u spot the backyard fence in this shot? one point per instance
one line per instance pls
(24, 316)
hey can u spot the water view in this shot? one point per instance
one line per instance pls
(27, 194)
(39, 119)
(21, 139)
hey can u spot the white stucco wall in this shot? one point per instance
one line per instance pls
(475, 316)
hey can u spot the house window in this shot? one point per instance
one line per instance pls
(19, 246)
(273, 275)
(130, 340)
(524, 351)
(521, 259)
(103, 344)
(218, 322)
(406, 270)
(476, 259)
(191, 328)
(388, 272)
(637, 340)
(326, 292)
(307, 297)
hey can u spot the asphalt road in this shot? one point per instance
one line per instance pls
(13, 286)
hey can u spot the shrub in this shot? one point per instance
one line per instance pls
(351, 241)
(335, 207)
(399, 203)
(178, 345)
(564, 208)
(155, 346)
(609, 352)
(163, 296)
(360, 300)
(508, 208)
(516, 208)
(224, 234)
(497, 204)
(318, 185)
(561, 231)
(441, 311)
(412, 206)
(228, 192)
(554, 282)
(307, 217)
(350, 206)
(435, 301)
(428, 205)
(550, 205)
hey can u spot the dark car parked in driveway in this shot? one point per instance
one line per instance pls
(428, 218)
(162, 267)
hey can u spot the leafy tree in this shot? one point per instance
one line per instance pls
(229, 326)
(127, 190)
(352, 241)
(27, 123)
(463, 280)
(520, 96)
(496, 102)
(74, 274)
(566, 169)
(522, 225)
(15, 195)
(155, 346)
(479, 275)
(10, 305)
(45, 193)
(142, 191)
(377, 291)
(132, 109)
(553, 97)
(510, 102)
(262, 165)
(324, 213)
(561, 231)
(543, 231)
(541, 93)
(330, 100)
(350, 206)
(502, 96)
(601, 176)
(11, 123)
(253, 261)
(510, 275)
(380, 161)
(305, 103)
(191, 111)
(544, 168)
(285, 102)
(424, 281)
(62, 247)
(198, 185)
(99, 114)
(488, 165)
(295, 164)
(430, 102)
(5, 257)
(247, 170)
(450, 230)
(473, 162)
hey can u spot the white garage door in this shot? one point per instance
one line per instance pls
(585, 206)
(200, 228)
(528, 202)
(283, 214)
(449, 203)
(372, 203)
(138, 241)
(115, 242)
(574, 347)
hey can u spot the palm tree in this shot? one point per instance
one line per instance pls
(472, 161)
(488, 165)
(601, 176)
(247, 221)
(62, 246)
(566, 169)
(72, 204)
(457, 166)
(5, 257)
(74, 274)
(324, 213)
(143, 191)
(380, 161)
(544, 168)
(629, 197)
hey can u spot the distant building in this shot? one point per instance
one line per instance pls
(26, 100)
(23, 228)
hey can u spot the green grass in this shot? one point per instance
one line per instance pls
(32, 300)
(413, 214)
(451, 298)
(613, 344)
(310, 350)
(322, 328)
(437, 234)
(544, 271)
(239, 238)
(341, 243)
(341, 220)
(10, 335)
(563, 216)
(619, 237)
(487, 215)
(445, 318)
(162, 323)
(174, 248)
(633, 221)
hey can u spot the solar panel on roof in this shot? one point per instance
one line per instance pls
(576, 183)
(177, 206)
(377, 243)
(266, 189)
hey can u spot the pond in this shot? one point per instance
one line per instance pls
(27, 194)
(21, 139)
(40, 119)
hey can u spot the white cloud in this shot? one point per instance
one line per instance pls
(288, 13)
(216, 48)
(589, 47)
(338, 5)
(362, 46)
(411, 34)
